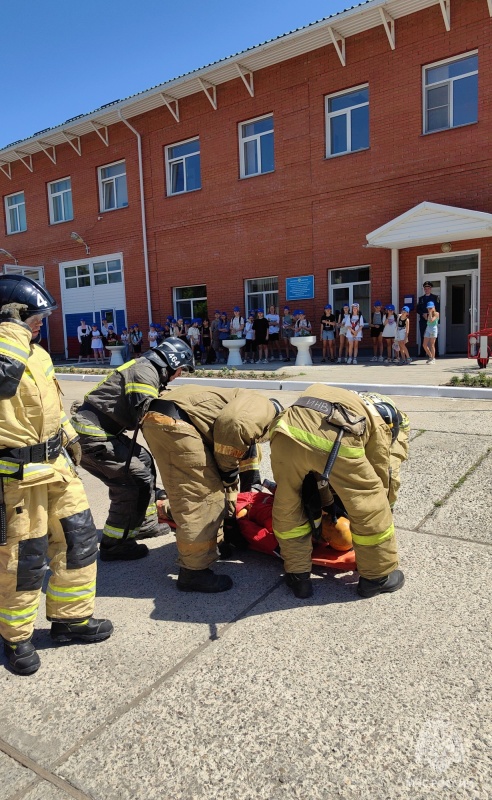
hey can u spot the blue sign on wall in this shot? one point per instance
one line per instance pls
(300, 288)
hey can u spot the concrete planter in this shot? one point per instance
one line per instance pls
(234, 346)
(303, 343)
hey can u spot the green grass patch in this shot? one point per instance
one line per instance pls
(480, 379)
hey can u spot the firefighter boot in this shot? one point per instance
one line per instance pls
(202, 580)
(390, 583)
(161, 529)
(121, 549)
(300, 583)
(22, 656)
(82, 630)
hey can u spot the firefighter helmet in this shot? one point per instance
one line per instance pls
(174, 353)
(26, 292)
(391, 416)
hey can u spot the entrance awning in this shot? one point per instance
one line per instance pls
(431, 223)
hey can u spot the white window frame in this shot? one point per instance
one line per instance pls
(15, 207)
(89, 262)
(264, 304)
(52, 195)
(191, 300)
(107, 272)
(344, 111)
(448, 81)
(170, 161)
(257, 137)
(77, 277)
(350, 286)
(103, 181)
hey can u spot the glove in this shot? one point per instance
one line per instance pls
(229, 478)
(74, 450)
(11, 312)
(233, 535)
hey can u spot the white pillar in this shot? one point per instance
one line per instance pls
(395, 278)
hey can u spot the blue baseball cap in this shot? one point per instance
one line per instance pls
(236, 308)
(259, 311)
(377, 303)
(406, 308)
(110, 327)
(430, 304)
(390, 307)
(328, 306)
(216, 311)
(286, 308)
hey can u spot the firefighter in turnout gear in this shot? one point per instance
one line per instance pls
(198, 437)
(44, 513)
(373, 441)
(116, 405)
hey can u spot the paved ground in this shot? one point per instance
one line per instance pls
(255, 695)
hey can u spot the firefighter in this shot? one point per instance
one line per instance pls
(44, 512)
(116, 405)
(365, 476)
(198, 437)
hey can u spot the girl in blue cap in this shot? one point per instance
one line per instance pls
(402, 334)
(430, 335)
(389, 332)
(377, 331)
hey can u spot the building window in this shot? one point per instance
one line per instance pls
(112, 186)
(350, 285)
(60, 200)
(347, 121)
(190, 302)
(15, 212)
(451, 93)
(256, 146)
(183, 167)
(261, 293)
(78, 276)
(107, 271)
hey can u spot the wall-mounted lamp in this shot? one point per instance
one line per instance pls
(78, 238)
(446, 247)
(9, 255)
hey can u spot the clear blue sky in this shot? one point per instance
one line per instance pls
(67, 57)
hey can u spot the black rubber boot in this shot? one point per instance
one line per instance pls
(22, 656)
(121, 549)
(202, 580)
(161, 529)
(88, 630)
(300, 583)
(390, 583)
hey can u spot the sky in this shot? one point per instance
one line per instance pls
(62, 58)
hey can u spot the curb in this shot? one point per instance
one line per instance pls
(419, 390)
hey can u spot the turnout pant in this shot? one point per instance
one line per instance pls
(195, 491)
(132, 492)
(46, 521)
(361, 491)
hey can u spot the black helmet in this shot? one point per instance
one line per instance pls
(174, 353)
(27, 292)
(391, 416)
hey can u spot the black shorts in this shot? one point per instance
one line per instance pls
(137, 348)
(273, 337)
(376, 330)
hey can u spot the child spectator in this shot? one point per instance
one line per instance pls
(111, 337)
(288, 332)
(377, 332)
(431, 331)
(236, 325)
(354, 333)
(224, 333)
(327, 333)
(273, 332)
(402, 334)
(208, 353)
(194, 339)
(97, 344)
(125, 341)
(250, 347)
(389, 332)
(136, 337)
(302, 326)
(214, 329)
(260, 327)
(152, 336)
(343, 324)
(84, 337)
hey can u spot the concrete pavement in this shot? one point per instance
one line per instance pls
(253, 694)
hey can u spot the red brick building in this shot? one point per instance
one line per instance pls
(356, 150)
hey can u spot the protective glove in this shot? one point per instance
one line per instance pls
(229, 478)
(233, 535)
(74, 450)
(11, 312)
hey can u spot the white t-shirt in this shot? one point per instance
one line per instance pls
(193, 335)
(237, 324)
(152, 337)
(274, 321)
(248, 331)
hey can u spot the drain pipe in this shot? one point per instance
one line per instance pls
(142, 208)
(395, 278)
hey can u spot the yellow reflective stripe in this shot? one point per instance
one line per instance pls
(6, 467)
(316, 441)
(294, 533)
(126, 365)
(151, 510)
(226, 450)
(376, 538)
(117, 533)
(248, 464)
(7, 349)
(49, 371)
(141, 388)
(90, 430)
(28, 374)
(72, 593)
(13, 618)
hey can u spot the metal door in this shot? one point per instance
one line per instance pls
(458, 303)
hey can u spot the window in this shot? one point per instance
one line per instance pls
(112, 186)
(256, 146)
(183, 167)
(107, 271)
(261, 293)
(347, 121)
(60, 201)
(451, 93)
(15, 212)
(350, 285)
(97, 273)
(78, 276)
(190, 302)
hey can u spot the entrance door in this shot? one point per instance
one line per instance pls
(458, 304)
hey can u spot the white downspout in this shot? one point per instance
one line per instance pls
(395, 278)
(142, 208)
